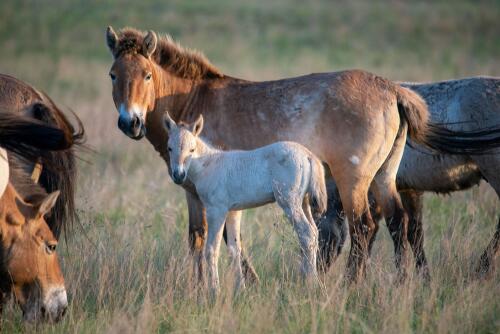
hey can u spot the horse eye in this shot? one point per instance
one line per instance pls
(148, 77)
(170, 149)
(191, 150)
(112, 76)
(51, 248)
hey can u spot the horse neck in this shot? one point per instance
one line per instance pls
(172, 95)
(204, 154)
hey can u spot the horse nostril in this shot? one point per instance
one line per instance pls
(135, 121)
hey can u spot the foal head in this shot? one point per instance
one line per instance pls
(28, 261)
(182, 145)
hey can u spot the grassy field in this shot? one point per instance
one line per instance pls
(128, 269)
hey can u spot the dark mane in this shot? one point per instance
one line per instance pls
(60, 170)
(172, 57)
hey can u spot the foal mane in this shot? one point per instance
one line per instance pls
(170, 55)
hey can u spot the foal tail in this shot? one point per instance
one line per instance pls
(413, 110)
(317, 188)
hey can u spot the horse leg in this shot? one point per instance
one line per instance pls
(489, 168)
(486, 264)
(354, 195)
(197, 233)
(247, 267)
(232, 227)
(306, 231)
(413, 204)
(215, 219)
(386, 194)
(376, 212)
(331, 228)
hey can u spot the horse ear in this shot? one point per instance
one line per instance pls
(197, 126)
(111, 39)
(48, 203)
(149, 44)
(168, 121)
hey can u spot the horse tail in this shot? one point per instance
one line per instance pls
(317, 188)
(63, 175)
(413, 110)
(29, 138)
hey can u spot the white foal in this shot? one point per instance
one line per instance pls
(284, 172)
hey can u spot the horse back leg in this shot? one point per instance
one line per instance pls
(331, 228)
(489, 168)
(306, 231)
(413, 204)
(354, 195)
(386, 194)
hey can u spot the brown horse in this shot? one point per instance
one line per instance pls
(353, 120)
(18, 96)
(28, 264)
(467, 104)
(29, 267)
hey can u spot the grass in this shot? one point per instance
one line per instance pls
(128, 268)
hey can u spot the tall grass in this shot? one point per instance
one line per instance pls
(128, 267)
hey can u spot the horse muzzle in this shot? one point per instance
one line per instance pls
(52, 309)
(133, 126)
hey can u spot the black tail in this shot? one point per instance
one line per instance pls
(413, 110)
(480, 142)
(62, 176)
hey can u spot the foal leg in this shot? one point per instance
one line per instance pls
(413, 204)
(232, 227)
(215, 218)
(306, 231)
(247, 267)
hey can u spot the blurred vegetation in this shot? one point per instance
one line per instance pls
(401, 39)
(128, 268)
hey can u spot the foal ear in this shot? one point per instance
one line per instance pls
(168, 121)
(48, 203)
(197, 126)
(149, 43)
(111, 39)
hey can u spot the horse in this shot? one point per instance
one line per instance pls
(465, 104)
(29, 267)
(354, 121)
(57, 169)
(282, 172)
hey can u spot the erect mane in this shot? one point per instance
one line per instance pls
(170, 55)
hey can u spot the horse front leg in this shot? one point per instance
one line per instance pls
(215, 218)
(197, 233)
(249, 273)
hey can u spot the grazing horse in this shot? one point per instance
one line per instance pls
(354, 121)
(29, 267)
(283, 172)
(466, 104)
(18, 96)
